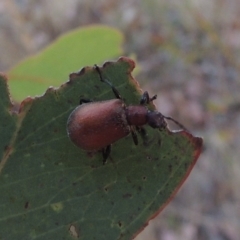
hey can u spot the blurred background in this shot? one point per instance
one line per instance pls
(189, 54)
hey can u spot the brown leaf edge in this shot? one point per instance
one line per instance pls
(197, 143)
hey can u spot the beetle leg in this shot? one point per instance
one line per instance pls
(83, 100)
(115, 91)
(142, 133)
(145, 99)
(134, 135)
(105, 153)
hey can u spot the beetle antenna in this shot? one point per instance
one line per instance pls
(115, 91)
(153, 98)
(176, 122)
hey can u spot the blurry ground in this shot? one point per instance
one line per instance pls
(190, 56)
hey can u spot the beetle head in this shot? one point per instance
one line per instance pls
(156, 120)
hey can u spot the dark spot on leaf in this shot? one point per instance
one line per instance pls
(56, 223)
(119, 224)
(144, 178)
(93, 166)
(26, 206)
(149, 158)
(74, 183)
(97, 87)
(91, 154)
(106, 189)
(170, 168)
(61, 180)
(129, 180)
(139, 188)
(56, 130)
(127, 195)
(6, 148)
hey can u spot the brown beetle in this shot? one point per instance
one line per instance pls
(96, 125)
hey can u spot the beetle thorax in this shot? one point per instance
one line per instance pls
(136, 115)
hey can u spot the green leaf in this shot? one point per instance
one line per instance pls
(50, 189)
(7, 119)
(81, 47)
